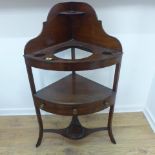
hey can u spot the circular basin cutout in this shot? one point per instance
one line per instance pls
(79, 54)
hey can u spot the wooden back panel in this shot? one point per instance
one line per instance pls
(72, 20)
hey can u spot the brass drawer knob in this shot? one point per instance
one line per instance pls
(42, 106)
(106, 103)
(75, 112)
(48, 58)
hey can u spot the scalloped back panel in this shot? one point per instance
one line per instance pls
(72, 20)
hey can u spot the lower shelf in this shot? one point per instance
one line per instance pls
(74, 94)
(75, 130)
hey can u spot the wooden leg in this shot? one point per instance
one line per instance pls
(40, 127)
(110, 124)
(115, 85)
(33, 91)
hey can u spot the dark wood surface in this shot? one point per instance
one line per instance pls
(74, 92)
(73, 25)
(101, 57)
(60, 28)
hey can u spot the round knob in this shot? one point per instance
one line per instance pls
(42, 106)
(106, 103)
(75, 112)
(48, 58)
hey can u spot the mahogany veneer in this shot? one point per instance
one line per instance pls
(81, 94)
(73, 25)
(100, 57)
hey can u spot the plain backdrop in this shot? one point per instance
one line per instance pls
(131, 21)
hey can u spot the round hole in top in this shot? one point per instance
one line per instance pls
(39, 55)
(79, 54)
(107, 53)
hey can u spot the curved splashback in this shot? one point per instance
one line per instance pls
(72, 21)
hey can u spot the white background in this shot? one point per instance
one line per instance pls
(131, 21)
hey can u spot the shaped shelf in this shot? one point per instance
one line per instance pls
(74, 92)
(101, 57)
(72, 13)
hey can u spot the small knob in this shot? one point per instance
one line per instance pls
(106, 103)
(42, 106)
(75, 112)
(48, 58)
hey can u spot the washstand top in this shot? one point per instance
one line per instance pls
(72, 25)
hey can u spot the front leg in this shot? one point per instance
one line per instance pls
(40, 127)
(111, 111)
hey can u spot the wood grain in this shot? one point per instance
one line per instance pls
(134, 137)
(74, 92)
(67, 28)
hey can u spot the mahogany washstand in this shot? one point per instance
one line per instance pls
(73, 25)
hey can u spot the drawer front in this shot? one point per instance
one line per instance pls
(69, 110)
